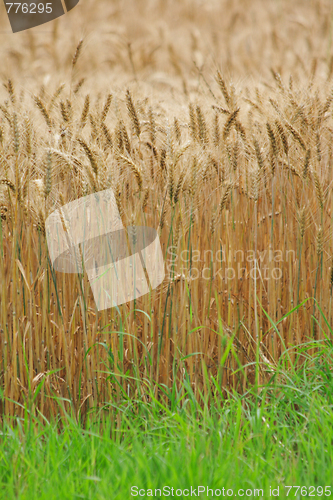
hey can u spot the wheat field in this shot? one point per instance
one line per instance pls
(212, 122)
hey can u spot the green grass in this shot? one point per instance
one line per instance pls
(280, 436)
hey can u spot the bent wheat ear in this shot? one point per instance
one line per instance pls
(28, 136)
(260, 159)
(106, 107)
(272, 139)
(319, 191)
(43, 110)
(179, 186)
(296, 135)
(134, 168)
(202, 127)
(133, 114)
(48, 175)
(193, 123)
(306, 164)
(216, 127)
(119, 203)
(64, 111)
(283, 137)
(85, 111)
(145, 199)
(171, 181)
(320, 237)
(8, 183)
(177, 130)
(225, 198)
(79, 85)
(56, 95)
(16, 134)
(229, 123)
(277, 78)
(89, 154)
(107, 136)
(77, 53)
(152, 126)
(223, 89)
(10, 88)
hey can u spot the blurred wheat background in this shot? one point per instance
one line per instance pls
(211, 121)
